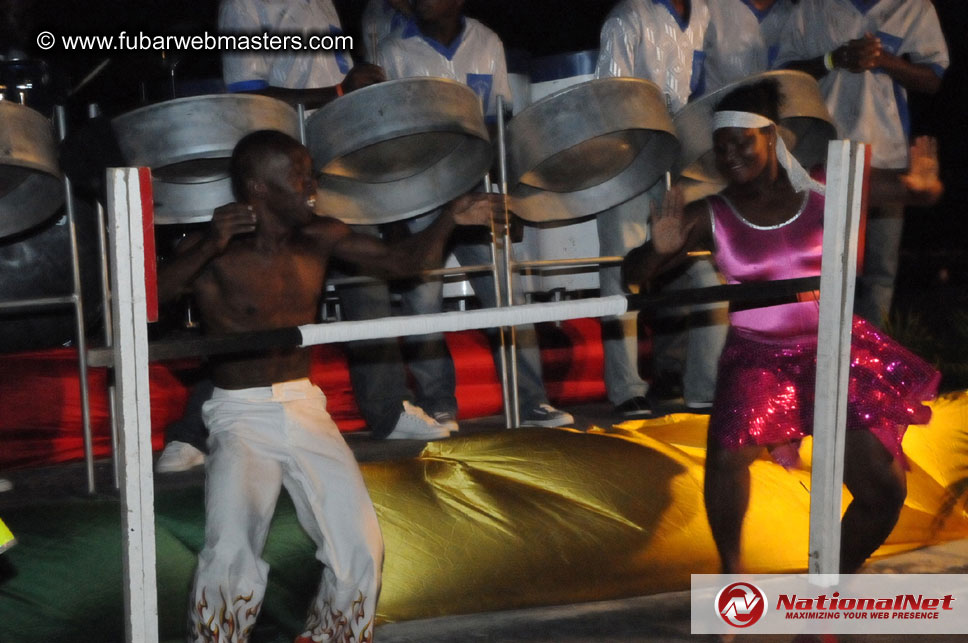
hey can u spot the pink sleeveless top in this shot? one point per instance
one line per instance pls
(746, 252)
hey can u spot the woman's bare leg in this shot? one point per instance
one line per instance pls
(727, 495)
(878, 484)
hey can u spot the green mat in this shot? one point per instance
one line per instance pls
(63, 581)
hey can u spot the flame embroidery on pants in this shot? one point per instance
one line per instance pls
(327, 624)
(232, 622)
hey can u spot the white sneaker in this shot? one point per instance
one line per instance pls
(179, 456)
(447, 420)
(5, 485)
(698, 405)
(547, 416)
(415, 424)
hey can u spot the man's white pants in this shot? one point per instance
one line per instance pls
(259, 440)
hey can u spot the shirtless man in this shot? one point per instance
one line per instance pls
(262, 265)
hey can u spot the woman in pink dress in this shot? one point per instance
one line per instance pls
(767, 224)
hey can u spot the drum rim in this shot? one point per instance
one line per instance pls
(704, 106)
(589, 83)
(179, 102)
(521, 163)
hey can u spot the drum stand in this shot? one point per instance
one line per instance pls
(506, 334)
(74, 300)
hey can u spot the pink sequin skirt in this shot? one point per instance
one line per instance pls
(765, 391)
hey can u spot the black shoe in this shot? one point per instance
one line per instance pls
(636, 408)
(546, 415)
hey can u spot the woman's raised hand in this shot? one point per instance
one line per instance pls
(669, 228)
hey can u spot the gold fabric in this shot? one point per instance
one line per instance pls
(532, 517)
(6, 538)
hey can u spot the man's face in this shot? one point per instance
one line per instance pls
(290, 185)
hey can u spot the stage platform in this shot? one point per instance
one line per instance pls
(523, 535)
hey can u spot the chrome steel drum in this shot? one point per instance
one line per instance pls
(187, 143)
(30, 180)
(190, 202)
(805, 124)
(396, 149)
(588, 147)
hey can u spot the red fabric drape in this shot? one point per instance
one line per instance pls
(40, 410)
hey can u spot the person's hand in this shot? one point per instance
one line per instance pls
(362, 75)
(922, 178)
(478, 208)
(861, 54)
(228, 221)
(669, 229)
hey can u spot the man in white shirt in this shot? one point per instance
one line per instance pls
(866, 55)
(743, 39)
(441, 42)
(661, 41)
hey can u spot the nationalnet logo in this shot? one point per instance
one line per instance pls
(854, 604)
(741, 604)
(822, 606)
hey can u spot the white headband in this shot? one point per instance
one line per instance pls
(799, 177)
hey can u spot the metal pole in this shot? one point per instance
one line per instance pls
(61, 122)
(38, 302)
(301, 114)
(498, 301)
(508, 260)
(102, 248)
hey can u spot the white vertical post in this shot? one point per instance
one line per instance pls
(128, 305)
(845, 172)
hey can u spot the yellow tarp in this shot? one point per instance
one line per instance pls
(535, 517)
(6, 538)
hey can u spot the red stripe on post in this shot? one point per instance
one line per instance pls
(151, 259)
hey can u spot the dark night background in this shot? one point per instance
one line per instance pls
(932, 285)
(527, 27)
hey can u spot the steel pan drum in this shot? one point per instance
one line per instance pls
(30, 185)
(588, 147)
(187, 143)
(37, 263)
(805, 124)
(396, 149)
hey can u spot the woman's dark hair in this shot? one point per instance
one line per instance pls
(250, 154)
(762, 97)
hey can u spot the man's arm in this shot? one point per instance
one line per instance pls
(616, 56)
(175, 276)
(912, 76)
(409, 256)
(867, 54)
(361, 75)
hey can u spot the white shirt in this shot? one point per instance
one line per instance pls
(646, 39)
(475, 58)
(868, 106)
(250, 71)
(741, 40)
